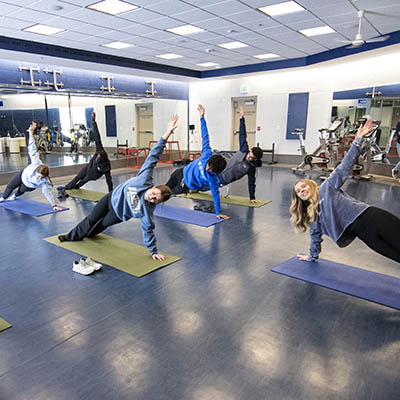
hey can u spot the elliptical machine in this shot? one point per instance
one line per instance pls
(325, 156)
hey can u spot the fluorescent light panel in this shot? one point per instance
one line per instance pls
(232, 45)
(207, 64)
(265, 56)
(113, 7)
(169, 56)
(43, 29)
(322, 30)
(185, 30)
(117, 45)
(282, 8)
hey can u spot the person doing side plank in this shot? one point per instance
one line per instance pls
(98, 166)
(200, 174)
(330, 211)
(244, 162)
(135, 198)
(35, 175)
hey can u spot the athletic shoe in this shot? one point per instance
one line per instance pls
(62, 238)
(12, 197)
(91, 263)
(1, 199)
(395, 173)
(82, 269)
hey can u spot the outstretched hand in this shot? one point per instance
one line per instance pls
(158, 257)
(32, 127)
(241, 112)
(93, 116)
(172, 125)
(302, 257)
(202, 110)
(221, 216)
(254, 201)
(364, 129)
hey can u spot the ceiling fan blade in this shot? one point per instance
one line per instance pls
(378, 39)
(354, 46)
(381, 14)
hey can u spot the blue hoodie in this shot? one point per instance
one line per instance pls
(337, 209)
(195, 175)
(127, 199)
(29, 175)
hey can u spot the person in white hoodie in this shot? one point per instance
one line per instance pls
(35, 175)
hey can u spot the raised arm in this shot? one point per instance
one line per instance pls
(205, 140)
(32, 151)
(109, 180)
(344, 170)
(96, 134)
(156, 151)
(243, 145)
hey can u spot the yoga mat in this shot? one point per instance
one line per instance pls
(236, 200)
(125, 256)
(377, 288)
(30, 207)
(86, 194)
(4, 325)
(193, 217)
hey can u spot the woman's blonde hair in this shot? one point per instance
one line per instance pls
(304, 211)
(44, 170)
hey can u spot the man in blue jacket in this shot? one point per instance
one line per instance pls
(200, 174)
(135, 198)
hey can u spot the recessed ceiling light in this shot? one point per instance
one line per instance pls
(232, 45)
(207, 64)
(117, 45)
(267, 55)
(185, 30)
(169, 56)
(113, 7)
(282, 8)
(322, 30)
(43, 29)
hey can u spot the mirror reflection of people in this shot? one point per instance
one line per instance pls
(98, 166)
(396, 169)
(35, 175)
(330, 211)
(135, 198)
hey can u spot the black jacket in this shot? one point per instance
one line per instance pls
(95, 169)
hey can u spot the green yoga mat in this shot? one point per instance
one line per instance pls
(125, 256)
(4, 325)
(236, 200)
(86, 194)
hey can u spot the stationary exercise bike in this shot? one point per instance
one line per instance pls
(325, 156)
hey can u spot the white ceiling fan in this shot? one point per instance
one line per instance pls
(359, 40)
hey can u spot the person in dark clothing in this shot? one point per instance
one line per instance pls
(244, 162)
(98, 166)
(200, 174)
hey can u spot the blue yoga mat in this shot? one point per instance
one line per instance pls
(29, 207)
(185, 215)
(378, 288)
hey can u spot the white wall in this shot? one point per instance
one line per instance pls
(378, 67)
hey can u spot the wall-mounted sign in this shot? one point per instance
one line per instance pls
(244, 89)
(362, 101)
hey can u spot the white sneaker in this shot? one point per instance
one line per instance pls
(12, 197)
(1, 199)
(81, 268)
(91, 263)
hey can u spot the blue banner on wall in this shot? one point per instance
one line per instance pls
(297, 114)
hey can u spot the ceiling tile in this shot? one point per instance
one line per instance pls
(138, 29)
(295, 17)
(94, 29)
(164, 23)
(66, 23)
(159, 35)
(227, 7)
(113, 35)
(247, 16)
(141, 15)
(191, 17)
(8, 8)
(51, 7)
(373, 4)
(315, 4)
(95, 40)
(7, 22)
(32, 16)
(332, 10)
(169, 6)
(214, 23)
(68, 35)
(261, 3)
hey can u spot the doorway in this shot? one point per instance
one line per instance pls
(249, 105)
(144, 124)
